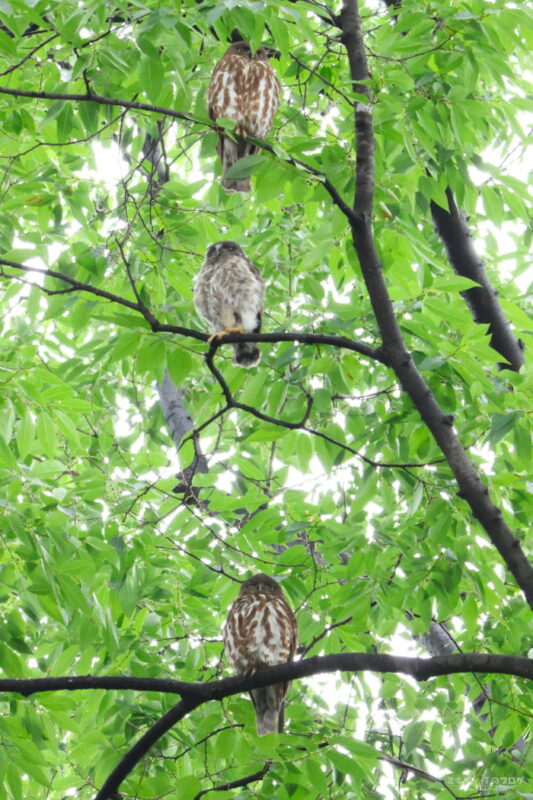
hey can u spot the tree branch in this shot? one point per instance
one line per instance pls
(394, 354)
(29, 55)
(195, 694)
(237, 784)
(482, 300)
(398, 357)
(232, 403)
(141, 747)
(169, 112)
(421, 669)
(106, 101)
(159, 327)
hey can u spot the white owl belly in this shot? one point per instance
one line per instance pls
(265, 641)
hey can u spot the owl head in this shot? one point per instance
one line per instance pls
(221, 249)
(260, 583)
(261, 54)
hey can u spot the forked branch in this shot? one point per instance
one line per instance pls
(195, 694)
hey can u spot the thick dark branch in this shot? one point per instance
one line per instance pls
(482, 300)
(422, 669)
(305, 338)
(141, 747)
(352, 38)
(195, 694)
(441, 426)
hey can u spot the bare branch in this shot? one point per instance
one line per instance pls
(28, 55)
(421, 669)
(232, 403)
(169, 112)
(142, 745)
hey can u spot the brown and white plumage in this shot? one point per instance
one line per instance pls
(229, 294)
(244, 88)
(260, 631)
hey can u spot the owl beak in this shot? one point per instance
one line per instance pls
(272, 53)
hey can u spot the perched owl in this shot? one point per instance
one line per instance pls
(245, 89)
(229, 294)
(260, 631)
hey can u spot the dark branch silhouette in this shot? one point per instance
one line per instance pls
(159, 327)
(195, 694)
(238, 783)
(393, 353)
(397, 355)
(482, 300)
(106, 101)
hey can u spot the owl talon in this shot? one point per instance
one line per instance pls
(230, 329)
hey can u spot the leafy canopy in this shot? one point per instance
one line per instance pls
(103, 568)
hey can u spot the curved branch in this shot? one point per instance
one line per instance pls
(301, 425)
(232, 403)
(159, 327)
(195, 694)
(169, 112)
(421, 669)
(482, 300)
(141, 747)
(236, 784)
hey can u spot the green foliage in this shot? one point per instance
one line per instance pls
(103, 568)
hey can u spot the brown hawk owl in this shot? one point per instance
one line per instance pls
(260, 631)
(229, 294)
(244, 88)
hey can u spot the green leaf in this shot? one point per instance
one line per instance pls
(151, 76)
(245, 166)
(345, 764)
(501, 424)
(25, 436)
(179, 364)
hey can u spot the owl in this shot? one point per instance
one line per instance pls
(229, 294)
(260, 631)
(244, 88)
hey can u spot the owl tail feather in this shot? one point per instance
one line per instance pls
(267, 704)
(230, 152)
(236, 185)
(246, 354)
